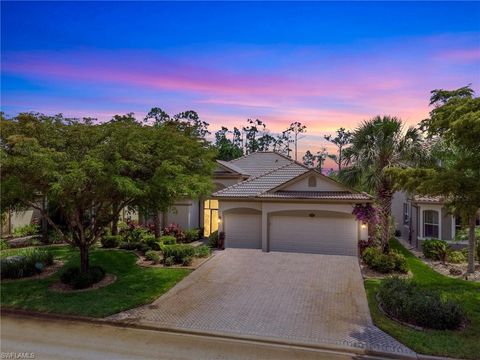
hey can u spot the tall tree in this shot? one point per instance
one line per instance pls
(321, 156)
(309, 159)
(377, 145)
(227, 149)
(341, 140)
(251, 135)
(454, 128)
(296, 128)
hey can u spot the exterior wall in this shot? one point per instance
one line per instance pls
(20, 218)
(322, 185)
(399, 198)
(269, 208)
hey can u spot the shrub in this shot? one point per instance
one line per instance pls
(213, 239)
(202, 251)
(128, 246)
(176, 231)
(169, 261)
(25, 230)
(25, 263)
(456, 257)
(75, 278)
(192, 235)
(151, 241)
(178, 252)
(142, 247)
(111, 241)
(187, 261)
(168, 240)
(407, 301)
(435, 249)
(384, 263)
(135, 233)
(152, 256)
(4, 244)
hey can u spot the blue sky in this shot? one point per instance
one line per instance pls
(326, 64)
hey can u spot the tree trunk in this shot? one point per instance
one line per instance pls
(471, 244)
(339, 159)
(84, 259)
(385, 202)
(115, 210)
(156, 223)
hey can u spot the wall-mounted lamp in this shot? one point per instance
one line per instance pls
(219, 220)
(364, 226)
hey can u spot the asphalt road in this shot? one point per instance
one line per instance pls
(52, 339)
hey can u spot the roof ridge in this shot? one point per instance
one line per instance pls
(250, 179)
(261, 152)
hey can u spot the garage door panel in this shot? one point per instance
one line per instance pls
(323, 235)
(243, 231)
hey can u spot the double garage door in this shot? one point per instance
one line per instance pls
(320, 234)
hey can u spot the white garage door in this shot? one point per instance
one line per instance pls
(243, 231)
(320, 234)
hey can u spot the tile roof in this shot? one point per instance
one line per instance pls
(428, 199)
(232, 167)
(321, 195)
(260, 163)
(260, 184)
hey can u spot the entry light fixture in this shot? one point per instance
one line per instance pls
(364, 226)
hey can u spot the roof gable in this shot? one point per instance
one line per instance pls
(304, 183)
(224, 168)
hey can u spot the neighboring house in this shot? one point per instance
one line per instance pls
(278, 204)
(424, 217)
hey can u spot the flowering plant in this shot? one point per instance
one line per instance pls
(365, 213)
(174, 230)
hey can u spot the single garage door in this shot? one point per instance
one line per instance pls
(324, 234)
(243, 230)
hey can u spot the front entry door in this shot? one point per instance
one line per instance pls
(210, 217)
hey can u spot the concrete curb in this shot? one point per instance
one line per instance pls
(368, 353)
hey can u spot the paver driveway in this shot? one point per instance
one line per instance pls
(308, 298)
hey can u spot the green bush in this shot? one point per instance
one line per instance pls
(213, 239)
(187, 261)
(169, 261)
(168, 240)
(384, 263)
(192, 235)
(408, 302)
(4, 244)
(128, 245)
(25, 263)
(142, 247)
(111, 241)
(153, 256)
(178, 252)
(75, 278)
(462, 235)
(435, 249)
(456, 257)
(202, 251)
(135, 234)
(25, 230)
(151, 241)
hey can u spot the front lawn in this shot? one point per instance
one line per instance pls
(456, 344)
(134, 286)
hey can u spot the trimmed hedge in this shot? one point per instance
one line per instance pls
(202, 251)
(384, 263)
(406, 301)
(78, 280)
(457, 257)
(27, 262)
(192, 235)
(111, 241)
(178, 252)
(213, 239)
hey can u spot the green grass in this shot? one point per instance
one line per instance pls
(457, 344)
(134, 286)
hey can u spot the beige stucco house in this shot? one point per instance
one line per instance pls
(270, 202)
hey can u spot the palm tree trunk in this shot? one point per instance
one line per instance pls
(385, 196)
(471, 244)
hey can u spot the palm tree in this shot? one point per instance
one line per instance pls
(378, 144)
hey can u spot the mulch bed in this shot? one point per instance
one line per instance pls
(64, 288)
(459, 270)
(196, 262)
(46, 272)
(368, 273)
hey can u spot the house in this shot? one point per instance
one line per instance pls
(273, 203)
(418, 218)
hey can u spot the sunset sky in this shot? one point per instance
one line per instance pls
(324, 64)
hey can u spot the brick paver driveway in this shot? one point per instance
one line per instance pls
(306, 298)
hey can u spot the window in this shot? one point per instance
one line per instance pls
(210, 216)
(406, 214)
(312, 181)
(430, 224)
